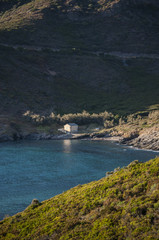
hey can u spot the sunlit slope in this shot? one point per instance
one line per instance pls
(121, 206)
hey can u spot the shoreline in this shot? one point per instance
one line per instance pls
(117, 139)
(85, 137)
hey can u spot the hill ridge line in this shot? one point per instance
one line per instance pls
(119, 54)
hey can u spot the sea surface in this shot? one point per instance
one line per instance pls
(43, 169)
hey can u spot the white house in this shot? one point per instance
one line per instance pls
(71, 127)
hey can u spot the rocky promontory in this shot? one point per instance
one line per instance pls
(148, 139)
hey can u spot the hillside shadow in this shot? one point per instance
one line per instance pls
(83, 6)
(8, 4)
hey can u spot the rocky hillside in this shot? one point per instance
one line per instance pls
(67, 56)
(113, 25)
(123, 205)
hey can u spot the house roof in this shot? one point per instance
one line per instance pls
(72, 124)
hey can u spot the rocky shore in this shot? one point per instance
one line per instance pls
(40, 136)
(147, 139)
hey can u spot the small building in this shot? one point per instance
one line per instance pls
(71, 127)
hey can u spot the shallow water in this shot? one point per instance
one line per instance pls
(43, 169)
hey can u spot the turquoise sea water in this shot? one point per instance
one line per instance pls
(43, 169)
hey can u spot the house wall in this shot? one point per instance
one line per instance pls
(74, 128)
(69, 128)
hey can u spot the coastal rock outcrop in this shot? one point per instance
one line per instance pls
(148, 139)
(5, 137)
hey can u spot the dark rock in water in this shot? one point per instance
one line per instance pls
(16, 136)
(37, 136)
(5, 138)
(31, 136)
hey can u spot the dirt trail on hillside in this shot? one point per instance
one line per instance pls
(29, 47)
(97, 53)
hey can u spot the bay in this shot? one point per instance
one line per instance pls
(43, 169)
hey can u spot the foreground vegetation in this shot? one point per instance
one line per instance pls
(124, 205)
